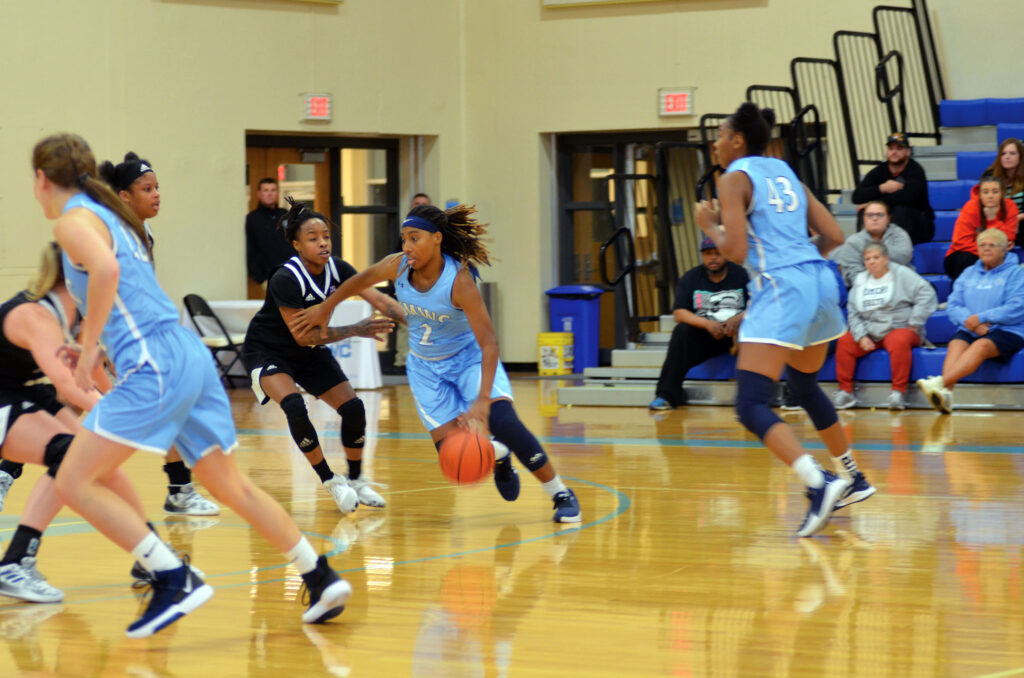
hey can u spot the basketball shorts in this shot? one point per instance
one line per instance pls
(794, 306)
(444, 389)
(15, 402)
(316, 370)
(1007, 343)
(175, 397)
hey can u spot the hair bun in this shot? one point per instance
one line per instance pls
(769, 116)
(130, 156)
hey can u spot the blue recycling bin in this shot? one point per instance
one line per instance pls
(577, 309)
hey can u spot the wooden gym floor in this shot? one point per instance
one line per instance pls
(685, 565)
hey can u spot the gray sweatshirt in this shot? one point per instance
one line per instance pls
(850, 255)
(911, 301)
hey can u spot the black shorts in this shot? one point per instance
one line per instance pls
(15, 402)
(314, 370)
(1007, 343)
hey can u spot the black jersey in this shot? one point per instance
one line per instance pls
(17, 366)
(292, 286)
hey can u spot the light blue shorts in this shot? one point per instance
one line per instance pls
(444, 389)
(176, 398)
(794, 306)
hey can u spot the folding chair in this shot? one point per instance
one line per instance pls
(216, 337)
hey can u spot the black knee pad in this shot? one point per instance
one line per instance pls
(55, 451)
(508, 430)
(753, 393)
(299, 424)
(804, 387)
(353, 423)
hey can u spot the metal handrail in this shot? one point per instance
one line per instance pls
(802, 148)
(885, 93)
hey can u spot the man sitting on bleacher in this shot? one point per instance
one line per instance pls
(987, 306)
(901, 183)
(710, 300)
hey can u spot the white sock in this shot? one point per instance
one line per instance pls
(845, 465)
(154, 555)
(500, 450)
(554, 486)
(809, 471)
(303, 555)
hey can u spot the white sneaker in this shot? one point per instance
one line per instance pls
(843, 400)
(6, 480)
(188, 502)
(342, 493)
(367, 495)
(934, 389)
(23, 581)
(896, 401)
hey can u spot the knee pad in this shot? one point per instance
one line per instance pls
(299, 424)
(54, 453)
(353, 423)
(804, 387)
(508, 430)
(753, 393)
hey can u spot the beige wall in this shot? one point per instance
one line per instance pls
(180, 81)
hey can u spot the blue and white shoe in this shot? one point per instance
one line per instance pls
(175, 593)
(567, 508)
(326, 592)
(823, 502)
(506, 479)
(659, 404)
(859, 490)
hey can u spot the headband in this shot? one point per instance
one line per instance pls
(128, 172)
(414, 221)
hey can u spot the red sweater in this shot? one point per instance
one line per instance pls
(970, 223)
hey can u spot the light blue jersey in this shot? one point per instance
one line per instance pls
(167, 390)
(140, 307)
(437, 329)
(777, 216)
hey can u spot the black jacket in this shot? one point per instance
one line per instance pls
(265, 245)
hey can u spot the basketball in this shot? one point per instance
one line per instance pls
(466, 456)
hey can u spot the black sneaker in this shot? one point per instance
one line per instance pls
(506, 479)
(175, 593)
(327, 593)
(567, 508)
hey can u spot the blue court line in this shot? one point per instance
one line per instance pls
(690, 442)
(623, 504)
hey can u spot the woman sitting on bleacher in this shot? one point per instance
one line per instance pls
(1008, 168)
(850, 255)
(987, 306)
(988, 207)
(888, 306)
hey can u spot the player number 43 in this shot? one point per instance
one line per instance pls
(788, 200)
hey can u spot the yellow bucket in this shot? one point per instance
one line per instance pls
(554, 353)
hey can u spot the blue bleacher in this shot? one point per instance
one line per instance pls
(949, 195)
(977, 112)
(943, 285)
(928, 257)
(970, 165)
(1006, 131)
(719, 368)
(945, 220)
(938, 328)
(1005, 110)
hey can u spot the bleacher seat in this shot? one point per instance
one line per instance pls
(942, 284)
(1009, 131)
(1005, 110)
(949, 195)
(719, 368)
(970, 165)
(945, 220)
(928, 257)
(938, 328)
(962, 113)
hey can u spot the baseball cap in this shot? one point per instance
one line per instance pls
(707, 244)
(898, 138)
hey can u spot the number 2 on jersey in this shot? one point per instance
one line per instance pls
(786, 188)
(425, 339)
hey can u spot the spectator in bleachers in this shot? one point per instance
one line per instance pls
(888, 306)
(900, 182)
(877, 229)
(988, 207)
(710, 301)
(987, 306)
(1007, 167)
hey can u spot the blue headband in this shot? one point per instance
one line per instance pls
(414, 221)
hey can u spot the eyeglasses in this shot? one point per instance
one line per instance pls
(875, 215)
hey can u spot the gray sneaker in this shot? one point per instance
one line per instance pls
(896, 401)
(188, 502)
(6, 480)
(843, 400)
(23, 581)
